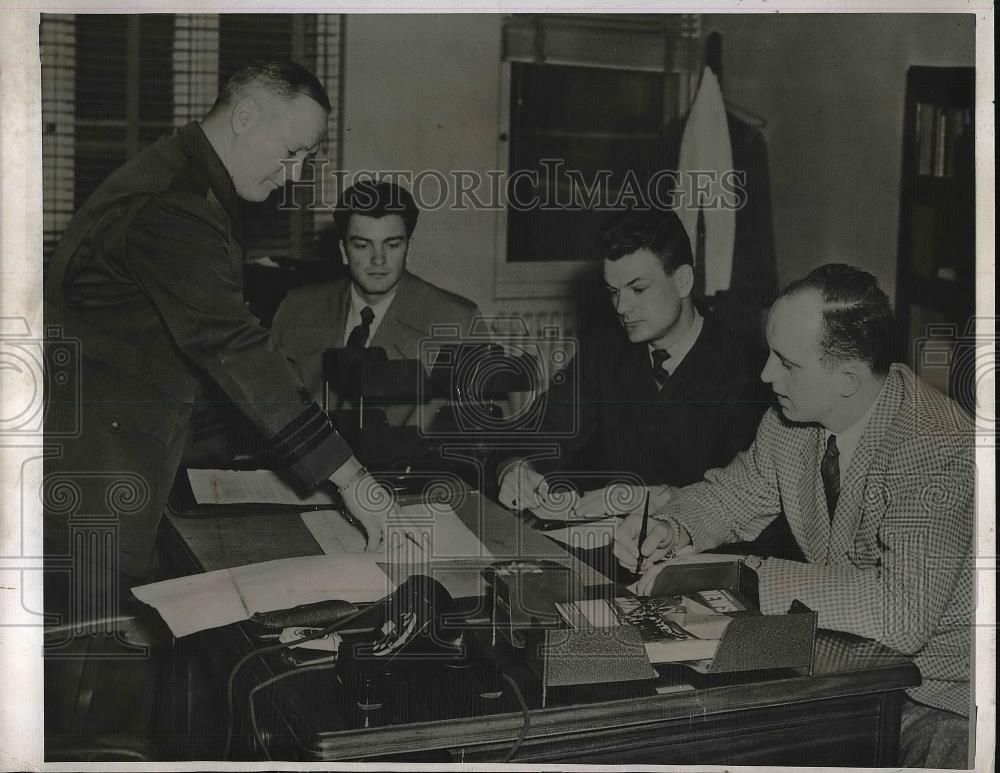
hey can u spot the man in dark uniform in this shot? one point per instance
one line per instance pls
(148, 277)
(661, 397)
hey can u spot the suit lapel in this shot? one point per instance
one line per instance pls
(810, 518)
(698, 370)
(339, 304)
(861, 474)
(635, 376)
(400, 334)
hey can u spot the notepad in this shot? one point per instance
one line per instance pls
(420, 533)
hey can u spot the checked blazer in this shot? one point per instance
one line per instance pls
(895, 563)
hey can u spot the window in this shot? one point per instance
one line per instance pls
(114, 116)
(585, 100)
(112, 84)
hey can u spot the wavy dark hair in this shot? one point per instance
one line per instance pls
(659, 231)
(375, 199)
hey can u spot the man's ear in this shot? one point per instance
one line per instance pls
(343, 252)
(850, 378)
(684, 280)
(244, 115)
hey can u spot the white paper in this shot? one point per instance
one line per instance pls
(249, 487)
(417, 535)
(333, 533)
(212, 599)
(585, 535)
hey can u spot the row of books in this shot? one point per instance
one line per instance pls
(940, 134)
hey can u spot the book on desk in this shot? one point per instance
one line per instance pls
(673, 628)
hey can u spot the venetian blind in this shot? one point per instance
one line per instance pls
(112, 84)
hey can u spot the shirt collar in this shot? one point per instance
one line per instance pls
(848, 439)
(221, 182)
(379, 308)
(680, 349)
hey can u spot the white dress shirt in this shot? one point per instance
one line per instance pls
(680, 349)
(354, 313)
(848, 439)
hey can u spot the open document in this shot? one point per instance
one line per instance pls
(212, 599)
(419, 534)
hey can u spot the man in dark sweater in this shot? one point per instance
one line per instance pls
(658, 399)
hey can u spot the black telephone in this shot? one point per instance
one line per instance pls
(421, 663)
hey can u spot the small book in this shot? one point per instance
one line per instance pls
(673, 628)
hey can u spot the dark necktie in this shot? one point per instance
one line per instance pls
(660, 356)
(829, 470)
(359, 336)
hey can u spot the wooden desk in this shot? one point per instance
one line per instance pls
(846, 713)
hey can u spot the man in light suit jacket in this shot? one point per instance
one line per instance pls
(380, 305)
(875, 473)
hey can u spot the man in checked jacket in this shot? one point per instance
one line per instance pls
(875, 473)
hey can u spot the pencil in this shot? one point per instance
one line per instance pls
(642, 533)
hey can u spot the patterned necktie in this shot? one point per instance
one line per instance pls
(359, 336)
(660, 356)
(829, 470)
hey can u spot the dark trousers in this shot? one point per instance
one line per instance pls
(933, 738)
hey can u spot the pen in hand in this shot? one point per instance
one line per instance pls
(642, 534)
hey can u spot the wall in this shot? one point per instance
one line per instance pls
(422, 92)
(832, 89)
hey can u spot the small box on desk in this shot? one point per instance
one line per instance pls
(612, 660)
(575, 665)
(567, 665)
(752, 642)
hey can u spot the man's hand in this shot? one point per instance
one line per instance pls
(659, 541)
(622, 499)
(522, 488)
(371, 504)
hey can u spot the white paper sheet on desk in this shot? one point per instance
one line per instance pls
(212, 599)
(419, 534)
(249, 487)
(586, 534)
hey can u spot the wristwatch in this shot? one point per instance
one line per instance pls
(753, 562)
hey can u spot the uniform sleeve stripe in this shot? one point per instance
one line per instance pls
(301, 436)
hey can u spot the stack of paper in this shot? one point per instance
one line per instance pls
(212, 599)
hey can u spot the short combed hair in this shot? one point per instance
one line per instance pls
(659, 231)
(857, 318)
(282, 77)
(375, 199)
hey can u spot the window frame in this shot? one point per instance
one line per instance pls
(556, 278)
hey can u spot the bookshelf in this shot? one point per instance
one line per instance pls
(936, 268)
